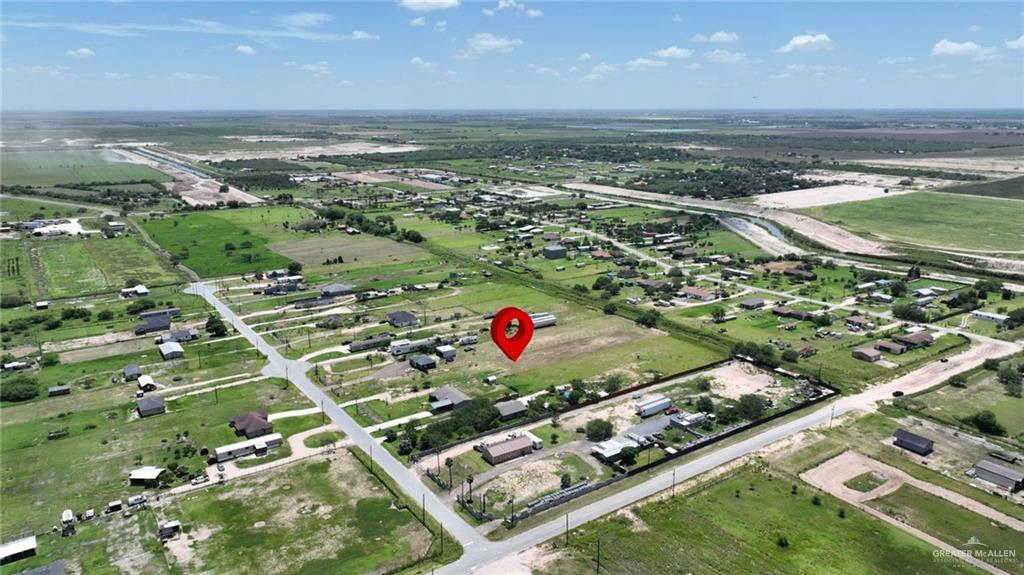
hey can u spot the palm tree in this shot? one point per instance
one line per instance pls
(449, 462)
(469, 480)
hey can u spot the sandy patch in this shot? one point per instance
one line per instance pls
(528, 481)
(824, 196)
(345, 149)
(996, 167)
(739, 378)
(877, 180)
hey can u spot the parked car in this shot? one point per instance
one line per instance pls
(200, 480)
(672, 411)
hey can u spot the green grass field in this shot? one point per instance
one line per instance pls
(73, 267)
(952, 523)
(927, 218)
(199, 239)
(734, 526)
(105, 443)
(983, 391)
(84, 167)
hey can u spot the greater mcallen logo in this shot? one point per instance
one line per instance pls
(976, 549)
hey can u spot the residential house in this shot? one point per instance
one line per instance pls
(148, 476)
(510, 409)
(916, 339)
(507, 450)
(447, 397)
(867, 354)
(423, 363)
(402, 319)
(150, 405)
(171, 350)
(252, 424)
(890, 347)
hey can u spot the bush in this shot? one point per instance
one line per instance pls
(985, 421)
(648, 318)
(599, 430)
(49, 358)
(610, 308)
(105, 315)
(11, 300)
(18, 388)
(991, 364)
(791, 356)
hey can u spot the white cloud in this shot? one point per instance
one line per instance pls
(1017, 44)
(642, 64)
(429, 5)
(245, 49)
(485, 42)
(80, 53)
(890, 60)
(363, 35)
(487, 12)
(116, 75)
(423, 64)
(693, 66)
(418, 21)
(975, 28)
(52, 71)
(673, 52)
(584, 57)
(719, 56)
(534, 13)
(677, 18)
(186, 26)
(304, 20)
(317, 69)
(964, 50)
(441, 25)
(598, 72)
(720, 37)
(544, 70)
(189, 77)
(809, 42)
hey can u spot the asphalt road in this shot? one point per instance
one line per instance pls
(295, 372)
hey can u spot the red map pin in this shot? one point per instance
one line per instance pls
(512, 346)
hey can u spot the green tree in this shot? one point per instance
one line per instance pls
(985, 421)
(599, 430)
(18, 388)
(628, 456)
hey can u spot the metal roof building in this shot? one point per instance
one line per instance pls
(913, 442)
(508, 449)
(1009, 479)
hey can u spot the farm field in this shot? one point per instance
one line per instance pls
(73, 267)
(357, 250)
(47, 168)
(926, 218)
(737, 526)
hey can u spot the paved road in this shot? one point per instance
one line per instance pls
(295, 372)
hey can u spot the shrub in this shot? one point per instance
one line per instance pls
(599, 430)
(18, 388)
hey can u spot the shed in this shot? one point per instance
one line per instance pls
(508, 449)
(510, 409)
(1009, 479)
(151, 405)
(171, 350)
(148, 476)
(554, 251)
(146, 383)
(58, 390)
(423, 363)
(446, 352)
(890, 347)
(913, 442)
(402, 318)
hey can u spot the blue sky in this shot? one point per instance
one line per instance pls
(502, 54)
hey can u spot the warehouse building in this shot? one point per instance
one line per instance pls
(510, 409)
(1009, 479)
(446, 352)
(507, 450)
(446, 398)
(555, 252)
(913, 442)
(334, 290)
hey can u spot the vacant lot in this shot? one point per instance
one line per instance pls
(72, 267)
(326, 516)
(738, 526)
(824, 196)
(1012, 188)
(228, 241)
(84, 167)
(361, 249)
(933, 219)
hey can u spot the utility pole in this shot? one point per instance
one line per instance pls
(424, 505)
(673, 483)
(323, 415)
(832, 416)
(598, 570)
(566, 529)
